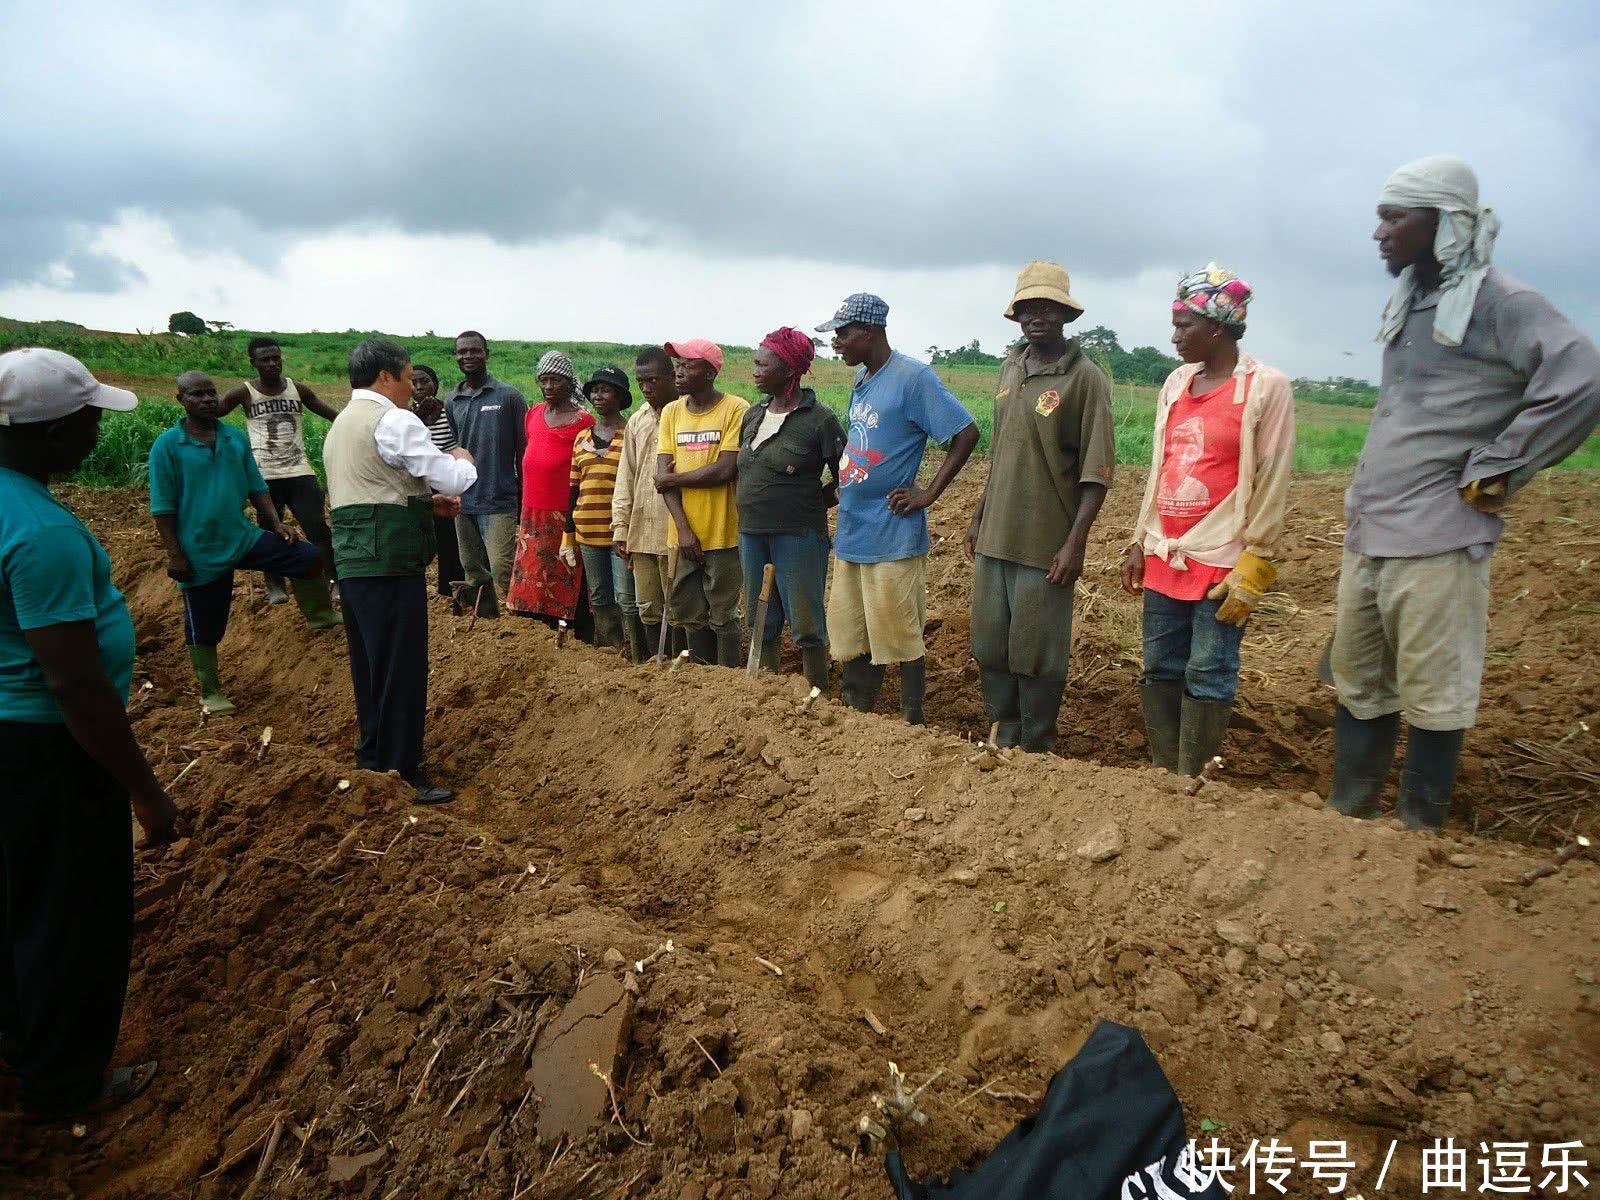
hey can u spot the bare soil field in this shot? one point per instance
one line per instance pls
(350, 995)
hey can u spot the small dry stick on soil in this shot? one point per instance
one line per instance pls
(771, 966)
(616, 1111)
(561, 634)
(266, 742)
(267, 1156)
(706, 1052)
(346, 843)
(871, 1018)
(640, 964)
(1563, 856)
(682, 658)
(811, 698)
(1207, 773)
(901, 1105)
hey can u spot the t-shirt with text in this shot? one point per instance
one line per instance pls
(277, 435)
(695, 440)
(892, 417)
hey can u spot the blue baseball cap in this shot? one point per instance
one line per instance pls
(859, 308)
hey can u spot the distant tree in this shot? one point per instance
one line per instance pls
(1100, 339)
(187, 324)
(970, 355)
(220, 326)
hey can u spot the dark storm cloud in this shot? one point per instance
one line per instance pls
(884, 135)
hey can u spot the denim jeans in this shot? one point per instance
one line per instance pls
(608, 578)
(800, 582)
(1184, 640)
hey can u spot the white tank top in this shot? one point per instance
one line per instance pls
(276, 438)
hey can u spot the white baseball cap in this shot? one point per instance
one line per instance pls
(39, 385)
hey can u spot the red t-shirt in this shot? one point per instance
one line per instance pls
(547, 460)
(1199, 468)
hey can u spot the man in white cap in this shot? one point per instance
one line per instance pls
(1484, 385)
(1050, 463)
(69, 765)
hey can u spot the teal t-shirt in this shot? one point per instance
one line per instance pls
(52, 572)
(207, 488)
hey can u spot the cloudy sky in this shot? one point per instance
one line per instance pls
(639, 171)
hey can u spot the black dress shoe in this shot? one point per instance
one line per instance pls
(427, 793)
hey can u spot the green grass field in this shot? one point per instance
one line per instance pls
(1330, 434)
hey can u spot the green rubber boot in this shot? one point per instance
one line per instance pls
(316, 602)
(641, 645)
(212, 700)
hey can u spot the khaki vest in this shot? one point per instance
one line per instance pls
(382, 515)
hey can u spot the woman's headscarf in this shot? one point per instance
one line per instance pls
(1463, 245)
(556, 363)
(794, 350)
(1215, 293)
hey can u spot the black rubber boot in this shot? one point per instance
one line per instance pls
(730, 645)
(1200, 732)
(703, 646)
(772, 656)
(608, 626)
(814, 662)
(1163, 717)
(641, 645)
(1428, 779)
(1039, 701)
(1000, 698)
(1363, 752)
(860, 682)
(913, 690)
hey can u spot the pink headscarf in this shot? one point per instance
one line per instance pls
(794, 349)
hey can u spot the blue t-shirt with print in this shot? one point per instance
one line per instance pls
(892, 417)
(52, 572)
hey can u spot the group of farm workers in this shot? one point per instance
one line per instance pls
(669, 516)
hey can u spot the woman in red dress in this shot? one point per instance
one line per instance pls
(544, 579)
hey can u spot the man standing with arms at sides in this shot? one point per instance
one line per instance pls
(274, 411)
(639, 517)
(387, 481)
(1484, 385)
(490, 423)
(697, 460)
(69, 764)
(1049, 468)
(879, 600)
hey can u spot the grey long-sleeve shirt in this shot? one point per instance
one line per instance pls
(1519, 394)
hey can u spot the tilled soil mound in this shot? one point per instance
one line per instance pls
(350, 995)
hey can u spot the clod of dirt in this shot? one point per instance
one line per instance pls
(592, 1029)
(1104, 844)
(349, 1170)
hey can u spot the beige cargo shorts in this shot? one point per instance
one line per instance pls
(878, 609)
(1411, 637)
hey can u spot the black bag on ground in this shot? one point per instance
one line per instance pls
(1110, 1128)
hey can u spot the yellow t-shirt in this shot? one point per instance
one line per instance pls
(695, 440)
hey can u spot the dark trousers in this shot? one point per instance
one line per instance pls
(1184, 640)
(66, 914)
(206, 607)
(449, 561)
(302, 495)
(386, 622)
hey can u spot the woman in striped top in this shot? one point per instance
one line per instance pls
(595, 456)
(429, 408)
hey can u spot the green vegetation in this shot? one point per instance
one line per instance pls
(1332, 421)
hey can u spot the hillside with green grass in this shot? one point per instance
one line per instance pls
(1330, 433)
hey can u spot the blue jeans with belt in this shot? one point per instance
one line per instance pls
(800, 580)
(1184, 640)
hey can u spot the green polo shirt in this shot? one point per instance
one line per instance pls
(780, 481)
(207, 488)
(52, 572)
(1053, 433)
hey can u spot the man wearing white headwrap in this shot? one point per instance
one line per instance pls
(1484, 385)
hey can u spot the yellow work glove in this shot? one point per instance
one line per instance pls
(1485, 495)
(1244, 587)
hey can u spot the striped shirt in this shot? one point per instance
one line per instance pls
(594, 474)
(443, 436)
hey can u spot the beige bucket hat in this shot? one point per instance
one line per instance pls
(1042, 280)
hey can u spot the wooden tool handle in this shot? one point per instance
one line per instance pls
(767, 573)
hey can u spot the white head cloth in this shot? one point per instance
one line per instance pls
(1463, 245)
